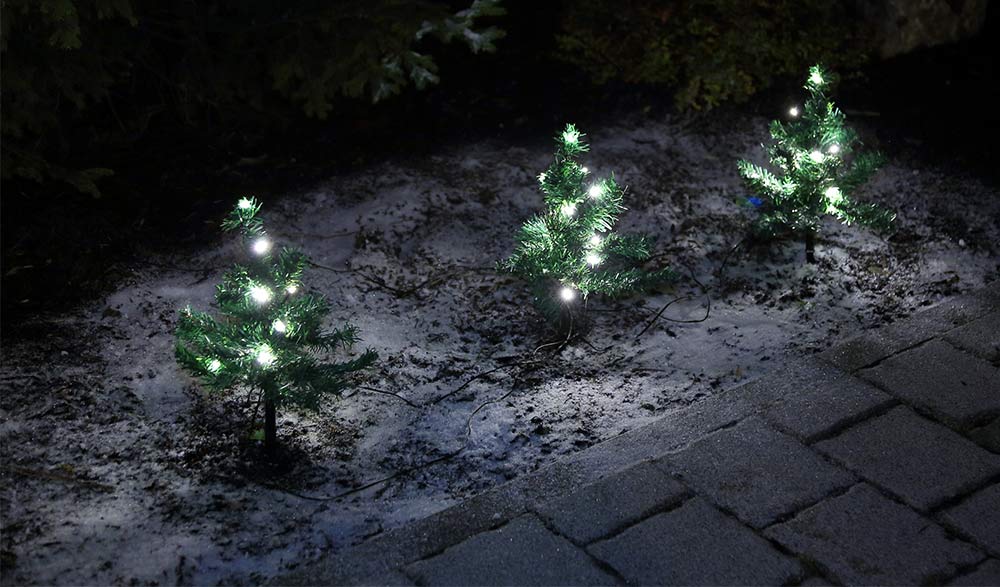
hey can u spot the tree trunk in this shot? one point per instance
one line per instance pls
(270, 426)
(810, 247)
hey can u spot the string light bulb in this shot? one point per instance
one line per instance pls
(541, 177)
(793, 111)
(260, 294)
(568, 210)
(279, 326)
(567, 294)
(593, 259)
(595, 240)
(265, 356)
(291, 289)
(214, 365)
(815, 78)
(833, 149)
(584, 170)
(817, 156)
(595, 191)
(262, 245)
(245, 204)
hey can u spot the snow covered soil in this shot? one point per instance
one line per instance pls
(116, 469)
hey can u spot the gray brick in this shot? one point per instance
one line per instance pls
(988, 436)
(695, 544)
(756, 472)
(978, 517)
(864, 538)
(523, 552)
(809, 398)
(612, 503)
(986, 574)
(981, 337)
(921, 461)
(875, 345)
(954, 386)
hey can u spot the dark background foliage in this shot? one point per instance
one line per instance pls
(130, 125)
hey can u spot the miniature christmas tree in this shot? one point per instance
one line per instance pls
(570, 249)
(270, 338)
(819, 171)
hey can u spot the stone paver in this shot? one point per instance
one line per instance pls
(978, 517)
(695, 544)
(875, 345)
(864, 538)
(523, 552)
(985, 575)
(922, 462)
(988, 436)
(956, 387)
(756, 472)
(810, 399)
(981, 337)
(612, 503)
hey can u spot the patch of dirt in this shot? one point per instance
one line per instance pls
(118, 470)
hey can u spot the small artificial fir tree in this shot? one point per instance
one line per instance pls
(270, 337)
(817, 172)
(570, 249)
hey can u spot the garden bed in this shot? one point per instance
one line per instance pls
(118, 469)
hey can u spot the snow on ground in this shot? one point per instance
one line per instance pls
(117, 469)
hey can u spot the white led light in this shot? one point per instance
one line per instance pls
(541, 177)
(595, 191)
(593, 259)
(260, 294)
(833, 149)
(816, 78)
(291, 289)
(595, 240)
(833, 195)
(245, 204)
(817, 156)
(215, 365)
(571, 136)
(265, 356)
(793, 111)
(584, 169)
(567, 294)
(279, 326)
(568, 209)
(261, 245)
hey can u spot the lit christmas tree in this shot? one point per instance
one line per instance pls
(270, 338)
(570, 250)
(818, 171)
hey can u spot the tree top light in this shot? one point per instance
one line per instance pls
(244, 204)
(571, 135)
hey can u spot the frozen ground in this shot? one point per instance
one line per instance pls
(117, 470)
